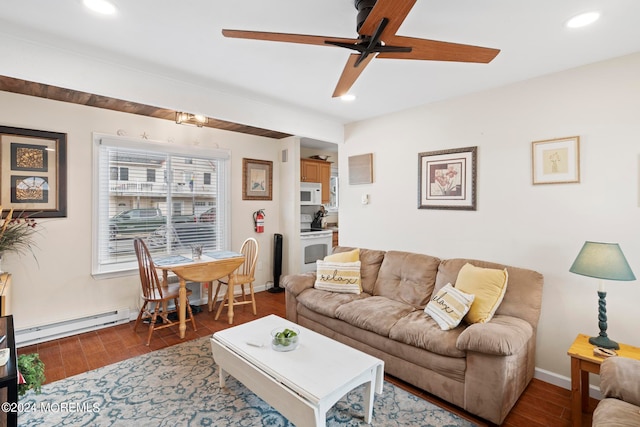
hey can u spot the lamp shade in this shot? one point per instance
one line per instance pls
(602, 261)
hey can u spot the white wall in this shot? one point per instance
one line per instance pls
(25, 59)
(59, 286)
(540, 227)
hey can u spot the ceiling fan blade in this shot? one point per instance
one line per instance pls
(351, 73)
(433, 50)
(394, 10)
(284, 37)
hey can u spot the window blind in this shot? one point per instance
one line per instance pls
(173, 197)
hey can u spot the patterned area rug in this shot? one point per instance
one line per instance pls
(178, 386)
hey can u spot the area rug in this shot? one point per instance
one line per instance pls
(178, 386)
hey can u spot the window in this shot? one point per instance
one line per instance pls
(124, 174)
(207, 178)
(169, 215)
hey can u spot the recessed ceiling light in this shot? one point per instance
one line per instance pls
(583, 19)
(347, 97)
(101, 6)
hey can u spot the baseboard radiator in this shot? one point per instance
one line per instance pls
(38, 334)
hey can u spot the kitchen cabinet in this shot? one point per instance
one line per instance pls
(317, 171)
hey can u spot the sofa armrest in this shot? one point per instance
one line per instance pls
(620, 379)
(502, 336)
(296, 283)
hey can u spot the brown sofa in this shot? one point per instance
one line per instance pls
(483, 368)
(620, 387)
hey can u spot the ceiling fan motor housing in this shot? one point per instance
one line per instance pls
(363, 7)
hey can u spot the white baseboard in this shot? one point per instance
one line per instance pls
(37, 334)
(564, 382)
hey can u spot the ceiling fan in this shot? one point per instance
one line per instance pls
(377, 23)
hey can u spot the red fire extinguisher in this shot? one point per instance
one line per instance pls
(258, 221)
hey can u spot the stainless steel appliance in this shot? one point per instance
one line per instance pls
(315, 243)
(310, 193)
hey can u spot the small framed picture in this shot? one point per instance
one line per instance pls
(447, 179)
(556, 161)
(361, 169)
(257, 179)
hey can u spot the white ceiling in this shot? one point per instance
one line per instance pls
(182, 39)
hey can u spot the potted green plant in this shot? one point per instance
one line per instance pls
(31, 368)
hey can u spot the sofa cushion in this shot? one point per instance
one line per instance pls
(326, 303)
(620, 378)
(375, 314)
(370, 261)
(342, 277)
(419, 330)
(407, 277)
(488, 285)
(523, 298)
(348, 256)
(612, 412)
(448, 306)
(446, 374)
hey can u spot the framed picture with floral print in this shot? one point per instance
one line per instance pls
(33, 172)
(447, 179)
(556, 161)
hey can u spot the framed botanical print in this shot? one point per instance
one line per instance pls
(447, 179)
(556, 161)
(33, 172)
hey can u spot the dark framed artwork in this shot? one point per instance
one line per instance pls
(257, 179)
(447, 179)
(33, 172)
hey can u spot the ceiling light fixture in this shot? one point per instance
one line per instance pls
(103, 7)
(583, 20)
(348, 97)
(191, 119)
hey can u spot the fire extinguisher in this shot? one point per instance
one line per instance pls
(258, 221)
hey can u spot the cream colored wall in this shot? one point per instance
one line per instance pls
(541, 227)
(59, 286)
(43, 63)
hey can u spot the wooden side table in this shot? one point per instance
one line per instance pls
(583, 362)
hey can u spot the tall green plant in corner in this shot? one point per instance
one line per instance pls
(32, 370)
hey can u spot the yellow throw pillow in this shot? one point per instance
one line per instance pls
(350, 256)
(448, 306)
(343, 277)
(488, 285)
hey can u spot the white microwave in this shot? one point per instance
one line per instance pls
(310, 193)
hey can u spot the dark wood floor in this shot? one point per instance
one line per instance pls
(542, 404)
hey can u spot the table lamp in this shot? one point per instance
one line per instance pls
(602, 261)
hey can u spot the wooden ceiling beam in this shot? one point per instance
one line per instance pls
(24, 87)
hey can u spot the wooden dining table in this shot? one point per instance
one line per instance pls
(211, 266)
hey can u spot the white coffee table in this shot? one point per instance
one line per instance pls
(302, 384)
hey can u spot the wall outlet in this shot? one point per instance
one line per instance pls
(259, 266)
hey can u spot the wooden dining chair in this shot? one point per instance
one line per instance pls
(156, 294)
(244, 275)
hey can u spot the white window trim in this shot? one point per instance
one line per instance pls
(129, 269)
